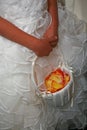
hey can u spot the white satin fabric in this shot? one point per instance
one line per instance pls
(20, 106)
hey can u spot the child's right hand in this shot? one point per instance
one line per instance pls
(42, 47)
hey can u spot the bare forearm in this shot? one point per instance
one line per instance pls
(53, 10)
(11, 32)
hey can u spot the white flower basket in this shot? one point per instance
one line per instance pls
(59, 98)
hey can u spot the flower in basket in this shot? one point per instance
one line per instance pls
(56, 80)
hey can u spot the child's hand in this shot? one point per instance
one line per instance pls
(52, 32)
(42, 47)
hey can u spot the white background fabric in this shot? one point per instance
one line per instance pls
(78, 7)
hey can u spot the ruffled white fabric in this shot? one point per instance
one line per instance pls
(20, 106)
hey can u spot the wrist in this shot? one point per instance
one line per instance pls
(31, 43)
(54, 24)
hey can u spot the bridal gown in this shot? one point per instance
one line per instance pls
(20, 106)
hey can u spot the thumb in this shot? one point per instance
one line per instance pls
(53, 41)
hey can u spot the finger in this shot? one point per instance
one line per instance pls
(53, 44)
(53, 39)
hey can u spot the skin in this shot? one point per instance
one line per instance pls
(52, 31)
(13, 33)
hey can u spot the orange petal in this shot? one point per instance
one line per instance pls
(66, 78)
(57, 86)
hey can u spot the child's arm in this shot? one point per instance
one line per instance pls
(53, 10)
(52, 31)
(40, 46)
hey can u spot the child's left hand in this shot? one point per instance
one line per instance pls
(51, 32)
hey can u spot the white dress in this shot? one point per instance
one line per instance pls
(20, 106)
(78, 7)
